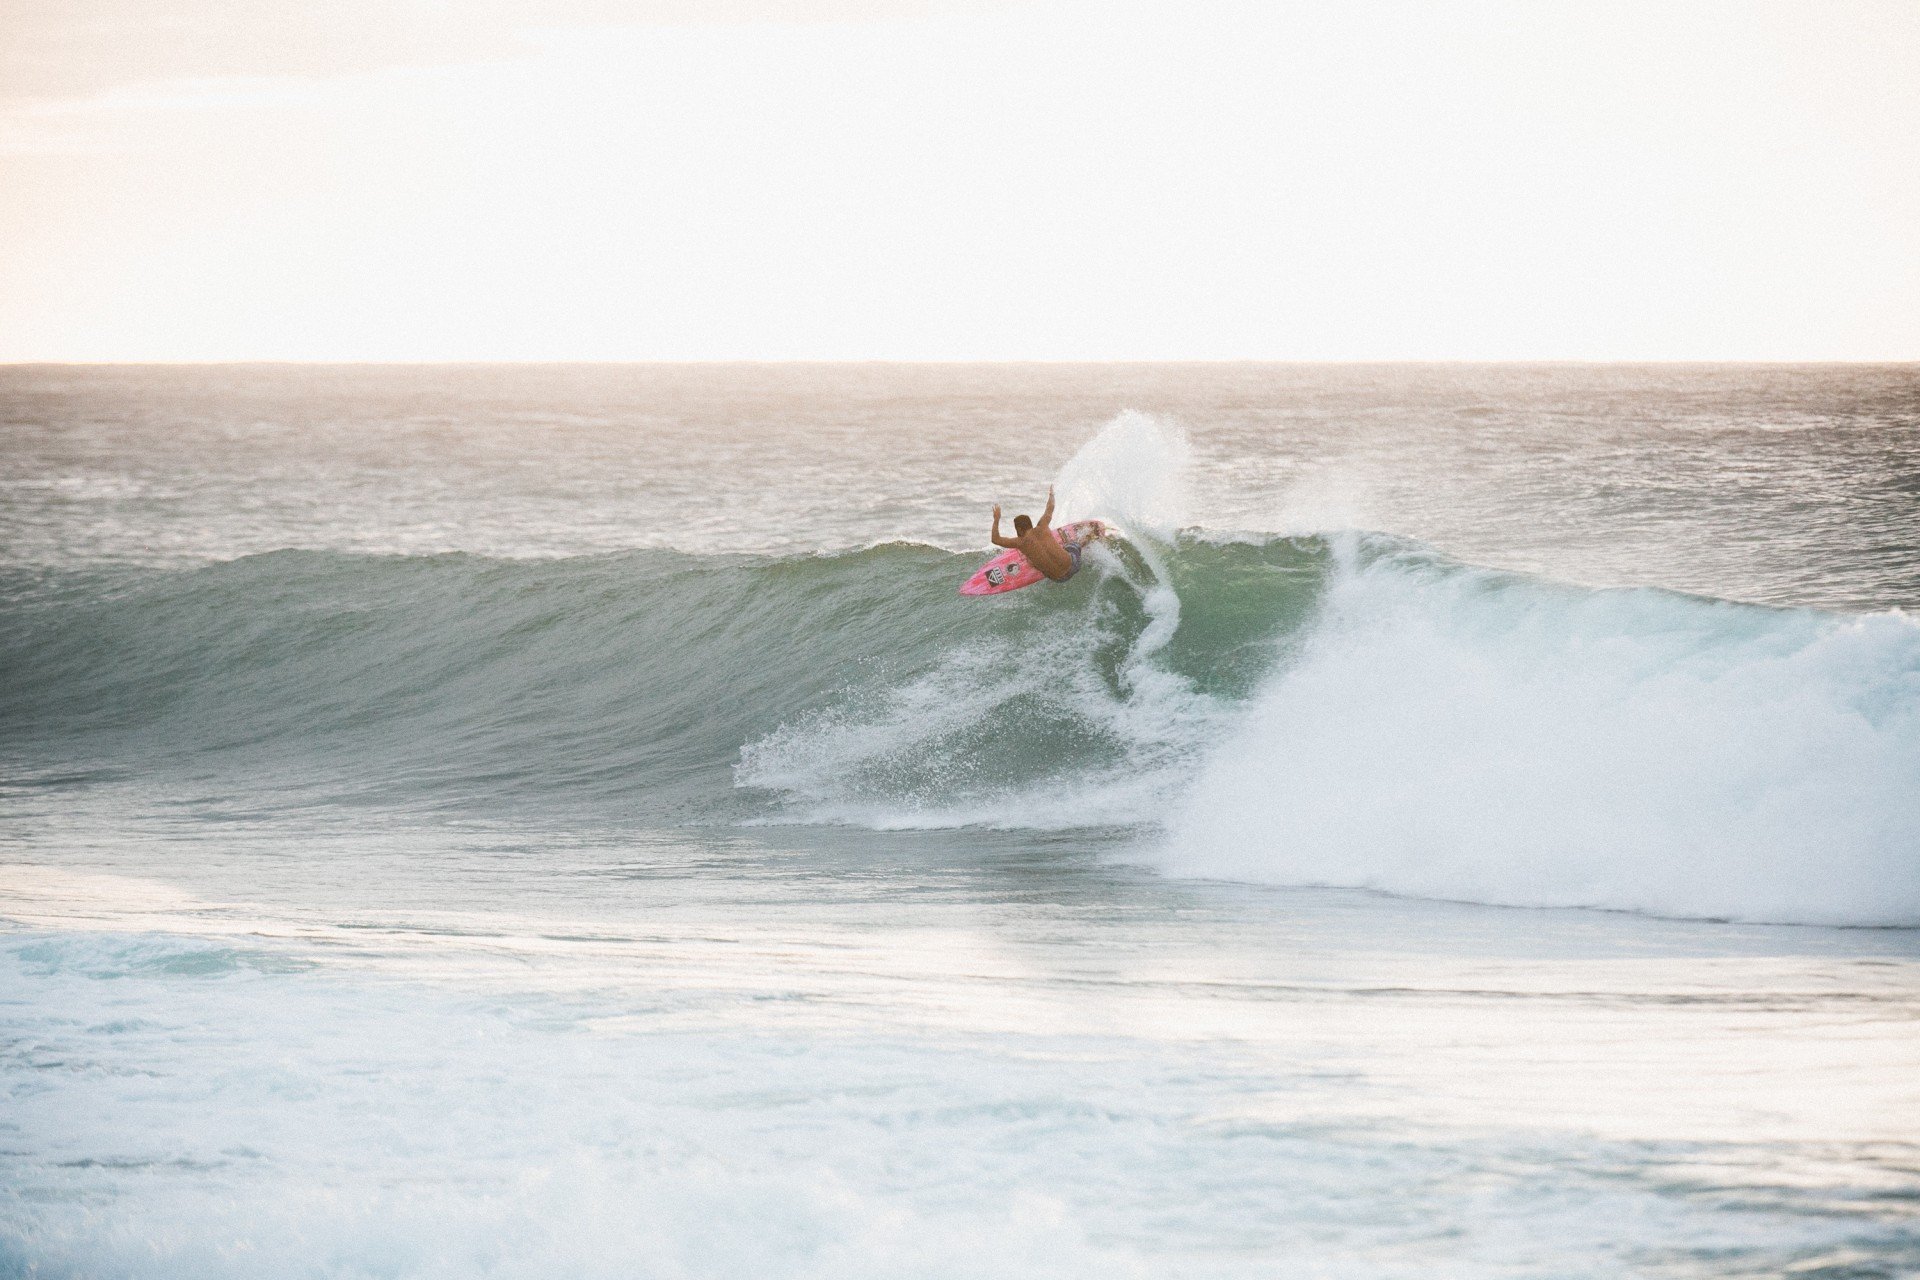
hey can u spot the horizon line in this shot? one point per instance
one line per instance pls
(947, 362)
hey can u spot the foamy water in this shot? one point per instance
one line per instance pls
(1464, 735)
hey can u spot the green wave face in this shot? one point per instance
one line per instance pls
(627, 683)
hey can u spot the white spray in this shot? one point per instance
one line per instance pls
(1133, 474)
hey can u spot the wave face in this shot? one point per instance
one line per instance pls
(1342, 711)
(625, 684)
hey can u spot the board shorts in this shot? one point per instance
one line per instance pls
(1073, 553)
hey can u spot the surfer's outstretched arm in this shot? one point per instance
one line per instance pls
(1046, 517)
(999, 541)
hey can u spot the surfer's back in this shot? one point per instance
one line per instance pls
(1044, 552)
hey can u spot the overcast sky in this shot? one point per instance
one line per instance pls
(848, 179)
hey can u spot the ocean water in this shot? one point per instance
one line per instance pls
(563, 821)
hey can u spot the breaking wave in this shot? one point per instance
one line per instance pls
(1346, 710)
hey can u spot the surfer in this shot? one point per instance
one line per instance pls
(1038, 544)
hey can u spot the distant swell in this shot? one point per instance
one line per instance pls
(1349, 711)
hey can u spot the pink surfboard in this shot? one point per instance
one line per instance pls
(1009, 571)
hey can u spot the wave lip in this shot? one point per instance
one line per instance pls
(1456, 733)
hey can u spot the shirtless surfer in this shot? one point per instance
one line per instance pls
(1039, 545)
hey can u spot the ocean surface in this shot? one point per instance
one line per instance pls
(563, 821)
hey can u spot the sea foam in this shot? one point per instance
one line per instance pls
(1456, 733)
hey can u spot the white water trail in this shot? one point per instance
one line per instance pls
(1133, 475)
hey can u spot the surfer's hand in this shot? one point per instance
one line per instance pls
(996, 511)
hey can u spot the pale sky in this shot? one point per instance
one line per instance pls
(878, 179)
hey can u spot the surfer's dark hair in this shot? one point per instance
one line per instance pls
(1022, 523)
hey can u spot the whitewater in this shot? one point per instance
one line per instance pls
(565, 820)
